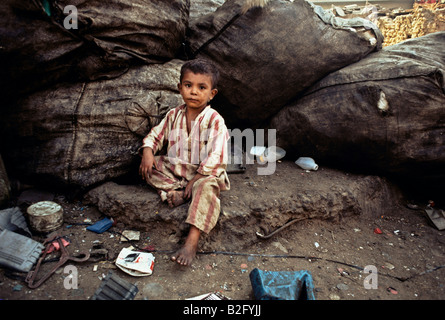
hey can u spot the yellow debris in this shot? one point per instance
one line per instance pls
(422, 20)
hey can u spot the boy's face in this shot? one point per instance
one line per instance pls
(196, 90)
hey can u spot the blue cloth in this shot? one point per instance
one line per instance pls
(282, 285)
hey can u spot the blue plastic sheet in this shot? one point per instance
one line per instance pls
(282, 285)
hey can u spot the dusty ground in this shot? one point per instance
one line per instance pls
(409, 256)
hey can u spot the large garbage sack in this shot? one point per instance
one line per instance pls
(40, 48)
(385, 113)
(86, 133)
(268, 55)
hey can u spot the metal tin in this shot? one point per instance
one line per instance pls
(45, 216)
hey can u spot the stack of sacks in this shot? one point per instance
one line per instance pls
(42, 45)
(268, 55)
(383, 114)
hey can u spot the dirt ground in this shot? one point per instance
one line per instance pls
(408, 254)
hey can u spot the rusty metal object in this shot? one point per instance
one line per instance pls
(64, 257)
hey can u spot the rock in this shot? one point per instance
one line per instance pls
(334, 296)
(326, 194)
(342, 286)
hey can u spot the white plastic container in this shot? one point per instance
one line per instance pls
(273, 154)
(306, 163)
(257, 150)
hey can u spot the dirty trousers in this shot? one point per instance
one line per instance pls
(205, 204)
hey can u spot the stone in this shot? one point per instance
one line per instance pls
(327, 194)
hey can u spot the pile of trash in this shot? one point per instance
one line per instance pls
(86, 94)
(23, 255)
(80, 97)
(423, 19)
(291, 44)
(80, 116)
(384, 114)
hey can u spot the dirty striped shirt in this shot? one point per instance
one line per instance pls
(204, 150)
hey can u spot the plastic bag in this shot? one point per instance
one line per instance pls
(135, 263)
(282, 285)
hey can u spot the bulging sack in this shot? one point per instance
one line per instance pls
(268, 55)
(39, 47)
(384, 113)
(86, 133)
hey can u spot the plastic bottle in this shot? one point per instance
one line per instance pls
(271, 154)
(274, 153)
(306, 163)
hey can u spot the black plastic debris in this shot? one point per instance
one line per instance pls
(114, 288)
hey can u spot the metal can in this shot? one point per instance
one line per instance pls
(45, 216)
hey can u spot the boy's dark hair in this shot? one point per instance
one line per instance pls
(200, 66)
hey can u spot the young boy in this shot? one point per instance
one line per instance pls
(195, 165)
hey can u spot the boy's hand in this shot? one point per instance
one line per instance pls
(147, 163)
(189, 187)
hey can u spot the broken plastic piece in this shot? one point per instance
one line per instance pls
(18, 252)
(130, 235)
(114, 288)
(55, 245)
(101, 226)
(377, 231)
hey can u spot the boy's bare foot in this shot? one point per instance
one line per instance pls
(187, 253)
(175, 198)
